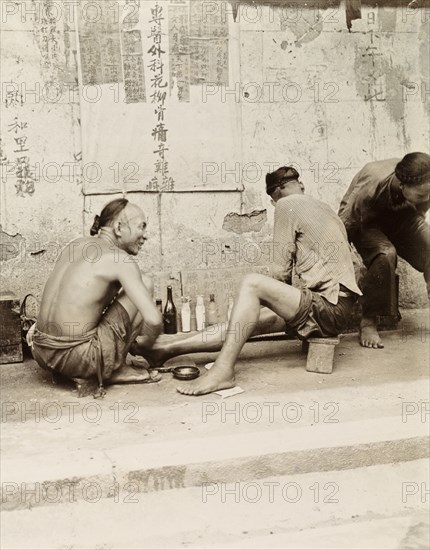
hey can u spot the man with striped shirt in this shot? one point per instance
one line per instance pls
(307, 234)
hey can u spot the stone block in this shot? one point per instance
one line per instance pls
(321, 354)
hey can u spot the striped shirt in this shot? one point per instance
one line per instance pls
(310, 236)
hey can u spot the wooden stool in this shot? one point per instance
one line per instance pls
(320, 354)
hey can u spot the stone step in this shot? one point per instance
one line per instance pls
(403, 532)
(229, 458)
(64, 423)
(383, 506)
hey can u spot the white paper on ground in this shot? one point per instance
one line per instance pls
(209, 365)
(230, 392)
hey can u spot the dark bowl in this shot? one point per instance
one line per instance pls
(186, 373)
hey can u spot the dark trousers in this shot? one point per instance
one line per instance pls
(404, 234)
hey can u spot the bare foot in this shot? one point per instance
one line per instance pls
(129, 375)
(213, 380)
(137, 362)
(369, 336)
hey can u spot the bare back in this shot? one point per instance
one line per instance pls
(79, 288)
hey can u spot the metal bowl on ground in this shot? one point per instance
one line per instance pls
(186, 373)
(170, 364)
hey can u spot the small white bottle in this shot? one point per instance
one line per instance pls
(200, 313)
(186, 314)
(230, 307)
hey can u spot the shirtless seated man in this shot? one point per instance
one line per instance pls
(96, 302)
(310, 235)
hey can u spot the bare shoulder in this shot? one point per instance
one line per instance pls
(98, 252)
(79, 243)
(116, 260)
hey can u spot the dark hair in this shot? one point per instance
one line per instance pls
(413, 169)
(108, 215)
(280, 176)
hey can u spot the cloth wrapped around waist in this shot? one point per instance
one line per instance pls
(57, 353)
(98, 352)
(49, 341)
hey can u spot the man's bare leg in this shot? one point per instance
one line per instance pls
(255, 291)
(209, 340)
(378, 284)
(369, 335)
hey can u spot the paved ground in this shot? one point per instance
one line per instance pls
(363, 427)
(360, 509)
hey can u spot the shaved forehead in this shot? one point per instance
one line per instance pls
(133, 211)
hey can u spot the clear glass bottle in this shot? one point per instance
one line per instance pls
(169, 315)
(212, 313)
(200, 313)
(186, 314)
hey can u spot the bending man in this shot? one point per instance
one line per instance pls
(307, 233)
(96, 301)
(383, 212)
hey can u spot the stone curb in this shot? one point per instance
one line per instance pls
(56, 478)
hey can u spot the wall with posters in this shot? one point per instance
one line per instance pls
(185, 105)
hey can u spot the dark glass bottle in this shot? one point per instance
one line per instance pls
(169, 315)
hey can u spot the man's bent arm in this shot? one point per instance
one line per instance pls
(131, 281)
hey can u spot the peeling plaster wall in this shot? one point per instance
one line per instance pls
(310, 93)
(41, 203)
